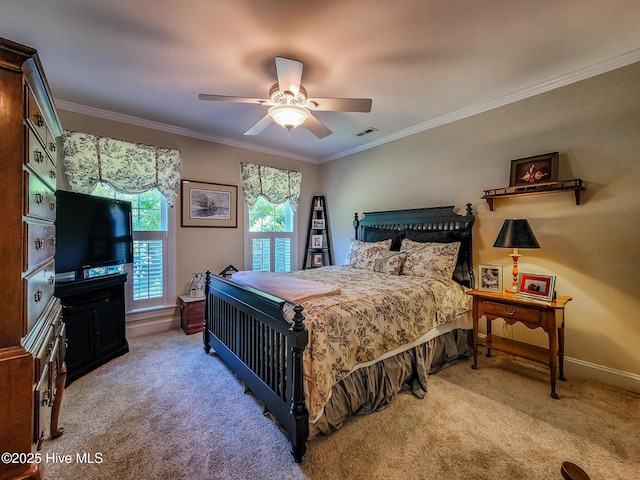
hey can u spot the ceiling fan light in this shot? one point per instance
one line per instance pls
(289, 116)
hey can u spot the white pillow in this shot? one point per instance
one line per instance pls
(430, 259)
(360, 254)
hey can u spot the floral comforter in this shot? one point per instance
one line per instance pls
(373, 314)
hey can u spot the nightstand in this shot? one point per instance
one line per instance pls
(191, 313)
(533, 314)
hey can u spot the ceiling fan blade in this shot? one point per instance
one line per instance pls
(342, 104)
(225, 98)
(289, 74)
(316, 127)
(263, 123)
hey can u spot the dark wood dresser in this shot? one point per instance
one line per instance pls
(32, 333)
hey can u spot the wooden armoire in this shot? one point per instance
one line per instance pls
(32, 338)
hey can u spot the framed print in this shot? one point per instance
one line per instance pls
(317, 260)
(209, 204)
(316, 241)
(536, 286)
(490, 278)
(534, 170)
(317, 224)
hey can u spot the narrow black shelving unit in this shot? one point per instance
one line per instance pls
(318, 247)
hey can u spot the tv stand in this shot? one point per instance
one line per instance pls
(94, 313)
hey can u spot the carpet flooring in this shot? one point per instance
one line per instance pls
(167, 410)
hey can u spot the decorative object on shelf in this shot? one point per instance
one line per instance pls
(515, 233)
(227, 272)
(196, 287)
(318, 248)
(490, 278)
(536, 286)
(209, 204)
(533, 170)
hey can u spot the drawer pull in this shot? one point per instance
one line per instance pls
(52, 147)
(52, 174)
(509, 312)
(52, 280)
(38, 295)
(39, 120)
(39, 197)
(53, 241)
(52, 205)
(38, 244)
(38, 156)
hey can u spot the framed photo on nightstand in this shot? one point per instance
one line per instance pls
(536, 286)
(490, 278)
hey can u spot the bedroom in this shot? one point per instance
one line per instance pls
(593, 123)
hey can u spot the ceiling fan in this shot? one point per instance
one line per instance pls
(289, 105)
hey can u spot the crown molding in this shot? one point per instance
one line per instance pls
(581, 74)
(185, 132)
(605, 66)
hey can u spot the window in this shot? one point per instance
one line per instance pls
(147, 283)
(271, 237)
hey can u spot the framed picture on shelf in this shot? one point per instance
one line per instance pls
(533, 170)
(536, 286)
(209, 204)
(317, 224)
(318, 204)
(316, 241)
(490, 278)
(317, 260)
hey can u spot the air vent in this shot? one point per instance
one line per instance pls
(366, 132)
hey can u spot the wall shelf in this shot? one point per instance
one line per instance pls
(575, 185)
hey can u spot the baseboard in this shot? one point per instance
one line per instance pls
(598, 373)
(138, 328)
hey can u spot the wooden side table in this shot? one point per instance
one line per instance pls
(191, 313)
(533, 314)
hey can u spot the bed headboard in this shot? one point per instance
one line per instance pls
(432, 224)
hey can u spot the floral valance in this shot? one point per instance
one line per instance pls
(274, 184)
(126, 166)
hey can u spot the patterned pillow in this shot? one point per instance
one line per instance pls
(436, 260)
(388, 262)
(360, 254)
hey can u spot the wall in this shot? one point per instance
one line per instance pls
(591, 248)
(201, 249)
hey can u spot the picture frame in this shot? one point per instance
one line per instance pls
(534, 170)
(317, 260)
(209, 204)
(535, 285)
(317, 241)
(490, 277)
(317, 224)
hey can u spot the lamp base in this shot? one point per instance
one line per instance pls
(513, 289)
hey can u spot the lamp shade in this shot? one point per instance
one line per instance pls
(516, 233)
(289, 116)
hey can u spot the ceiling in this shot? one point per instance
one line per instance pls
(423, 62)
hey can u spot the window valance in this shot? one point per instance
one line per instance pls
(274, 184)
(126, 166)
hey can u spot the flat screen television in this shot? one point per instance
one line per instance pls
(91, 232)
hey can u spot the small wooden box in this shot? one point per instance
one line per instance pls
(191, 313)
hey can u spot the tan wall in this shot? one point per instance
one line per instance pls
(591, 248)
(200, 249)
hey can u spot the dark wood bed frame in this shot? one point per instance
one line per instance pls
(248, 330)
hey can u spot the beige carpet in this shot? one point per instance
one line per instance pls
(167, 410)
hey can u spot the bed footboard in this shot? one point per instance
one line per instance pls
(249, 332)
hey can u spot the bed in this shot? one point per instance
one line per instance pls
(313, 373)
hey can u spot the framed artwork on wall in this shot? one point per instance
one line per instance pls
(490, 278)
(534, 170)
(536, 286)
(209, 204)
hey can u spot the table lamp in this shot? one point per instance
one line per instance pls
(515, 233)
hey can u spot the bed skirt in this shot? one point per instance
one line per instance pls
(372, 388)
